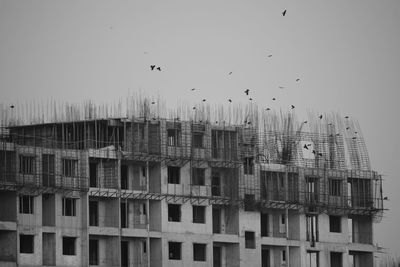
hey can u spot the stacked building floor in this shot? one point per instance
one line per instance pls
(139, 192)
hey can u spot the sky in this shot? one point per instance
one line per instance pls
(345, 53)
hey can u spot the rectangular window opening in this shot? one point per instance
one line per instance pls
(26, 204)
(174, 137)
(174, 175)
(198, 176)
(26, 244)
(199, 214)
(174, 249)
(335, 224)
(26, 164)
(199, 252)
(70, 167)
(335, 186)
(250, 240)
(93, 252)
(69, 245)
(198, 140)
(69, 207)
(174, 212)
(93, 213)
(248, 165)
(249, 202)
(336, 259)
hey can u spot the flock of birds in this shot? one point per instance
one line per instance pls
(247, 93)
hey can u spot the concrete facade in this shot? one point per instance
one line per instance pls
(137, 199)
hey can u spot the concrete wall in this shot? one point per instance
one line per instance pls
(186, 224)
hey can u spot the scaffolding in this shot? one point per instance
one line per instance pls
(254, 158)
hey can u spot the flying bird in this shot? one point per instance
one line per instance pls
(274, 98)
(320, 154)
(152, 67)
(293, 107)
(247, 91)
(204, 100)
(320, 117)
(281, 87)
(159, 68)
(230, 73)
(269, 55)
(355, 137)
(193, 89)
(153, 102)
(284, 13)
(194, 107)
(297, 80)
(356, 132)
(230, 100)
(12, 106)
(250, 98)
(346, 117)
(305, 146)
(347, 128)
(304, 121)
(268, 109)
(313, 152)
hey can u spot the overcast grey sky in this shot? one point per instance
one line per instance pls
(346, 53)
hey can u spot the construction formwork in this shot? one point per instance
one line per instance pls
(263, 166)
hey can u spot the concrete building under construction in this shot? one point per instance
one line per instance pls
(147, 191)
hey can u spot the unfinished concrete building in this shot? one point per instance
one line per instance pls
(157, 192)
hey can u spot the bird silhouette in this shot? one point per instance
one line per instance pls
(346, 117)
(12, 106)
(153, 102)
(305, 146)
(297, 80)
(330, 124)
(249, 122)
(284, 13)
(320, 117)
(274, 98)
(152, 67)
(230, 73)
(159, 68)
(250, 99)
(337, 134)
(355, 137)
(320, 154)
(356, 132)
(281, 87)
(309, 144)
(385, 198)
(313, 152)
(269, 55)
(304, 121)
(247, 91)
(216, 122)
(193, 89)
(204, 100)
(268, 109)
(194, 107)
(347, 128)
(292, 107)
(230, 100)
